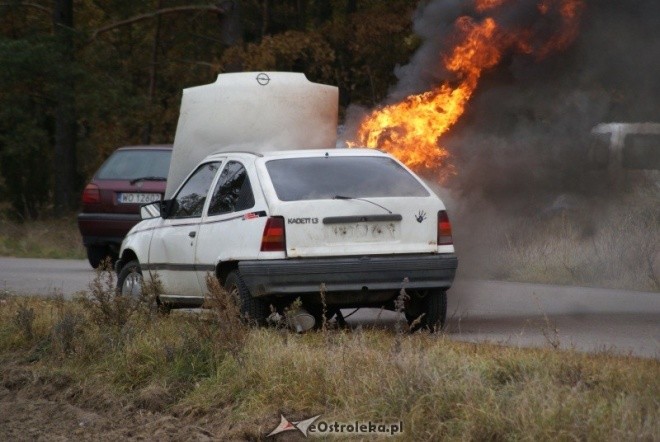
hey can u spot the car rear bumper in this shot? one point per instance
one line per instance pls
(346, 274)
(103, 228)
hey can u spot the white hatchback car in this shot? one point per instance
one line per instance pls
(273, 227)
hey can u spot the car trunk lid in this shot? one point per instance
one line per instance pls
(352, 227)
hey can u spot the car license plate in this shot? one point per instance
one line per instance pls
(137, 198)
(361, 232)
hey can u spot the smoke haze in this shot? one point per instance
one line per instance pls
(528, 125)
(521, 149)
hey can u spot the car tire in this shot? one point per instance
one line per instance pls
(129, 280)
(254, 310)
(96, 255)
(434, 307)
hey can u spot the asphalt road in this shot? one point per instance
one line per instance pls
(515, 314)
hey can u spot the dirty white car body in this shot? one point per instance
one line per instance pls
(275, 226)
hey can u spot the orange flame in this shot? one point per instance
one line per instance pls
(410, 129)
(485, 5)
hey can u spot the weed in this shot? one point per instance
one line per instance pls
(108, 308)
(414, 325)
(324, 309)
(399, 308)
(24, 320)
(65, 332)
(227, 330)
(550, 333)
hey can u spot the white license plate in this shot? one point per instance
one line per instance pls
(137, 198)
(362, 232)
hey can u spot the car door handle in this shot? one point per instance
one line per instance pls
(192, 234)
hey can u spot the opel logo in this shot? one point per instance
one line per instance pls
(263, 79)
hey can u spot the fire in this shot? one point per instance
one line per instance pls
(485, 5)
(410, 129)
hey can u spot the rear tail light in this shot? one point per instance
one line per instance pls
(444, 229)
(91, 194)
(273, 238)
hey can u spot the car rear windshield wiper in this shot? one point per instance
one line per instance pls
(148, 178)
(342, 197)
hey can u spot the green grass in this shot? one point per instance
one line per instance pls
(53, 238)
(237, 380)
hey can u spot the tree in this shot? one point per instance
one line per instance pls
(25, 153)
(77, 93)
(27, 67)
(64, 171)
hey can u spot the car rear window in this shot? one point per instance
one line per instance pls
(298, 179)
(134, 163)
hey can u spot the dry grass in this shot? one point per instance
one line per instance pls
(55, 238)
(615, 245)
(212, 369)
(440, 389)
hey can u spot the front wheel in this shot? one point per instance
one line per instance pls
(254, 310)
(427, 310)
(129, 280)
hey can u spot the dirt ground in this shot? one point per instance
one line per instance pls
(52, 408)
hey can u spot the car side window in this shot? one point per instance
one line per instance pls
(189, 202)
(233, 191)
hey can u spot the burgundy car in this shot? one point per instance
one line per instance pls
(130, 177)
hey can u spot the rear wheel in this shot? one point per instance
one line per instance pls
(96, 254)
(317, 312)
(254, 310)
(427, 310)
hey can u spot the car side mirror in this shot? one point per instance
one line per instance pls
(167, 207)
(151, 210)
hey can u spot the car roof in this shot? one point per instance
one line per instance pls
(147, 147)
(302, 153)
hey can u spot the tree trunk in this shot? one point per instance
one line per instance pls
(231, 27)
(323, 13)
(266, 12)
(153, 77)
(64, 161)
(301, 12)
(351, 6)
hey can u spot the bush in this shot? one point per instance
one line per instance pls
(108, 308)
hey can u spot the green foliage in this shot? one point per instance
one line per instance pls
(128, 80)
(26, 67)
